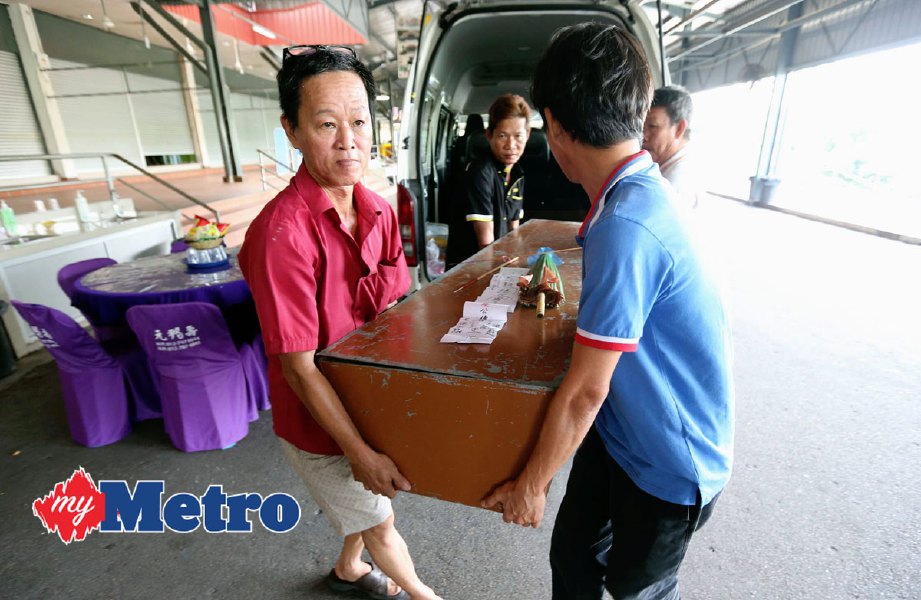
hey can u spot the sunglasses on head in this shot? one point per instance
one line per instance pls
(310, 49)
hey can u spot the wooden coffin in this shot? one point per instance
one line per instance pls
(459, 419)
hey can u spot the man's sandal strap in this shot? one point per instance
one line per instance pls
(374, 584)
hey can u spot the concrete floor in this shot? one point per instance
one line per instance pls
(824, 502)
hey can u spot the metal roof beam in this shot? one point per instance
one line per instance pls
(754, 21)
(166, 36)
(169, 18)
(713, 33)
(269, 57)
(353, 12)
(814, 16)
(680, 9)
(690, 16)
(385, 44)
(715, 59)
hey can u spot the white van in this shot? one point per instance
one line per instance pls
(470, 53)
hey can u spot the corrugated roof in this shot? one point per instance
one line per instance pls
(312, 23)
(717, 42)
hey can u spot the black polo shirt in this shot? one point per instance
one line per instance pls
(486, 197)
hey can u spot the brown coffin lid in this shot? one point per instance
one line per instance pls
(528, 351)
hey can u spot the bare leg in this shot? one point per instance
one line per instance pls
(350, 567)
(390, 553)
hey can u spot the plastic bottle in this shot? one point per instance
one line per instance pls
(436, 266)
(82, 208)
(8, 219)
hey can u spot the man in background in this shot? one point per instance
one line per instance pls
(491, 201)
(667, 137)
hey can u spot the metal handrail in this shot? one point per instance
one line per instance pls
(266, 184)
(108, 178)
(263, 170)
(143, 193)
(272, 158)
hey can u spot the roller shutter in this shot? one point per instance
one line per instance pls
(252, 134)
(19, 131)
(160, 113)
(255, 117)
(97, 114)
(209, 124)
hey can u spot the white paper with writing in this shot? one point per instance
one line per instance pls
(503, 287)
(479, 325)
(484, 318)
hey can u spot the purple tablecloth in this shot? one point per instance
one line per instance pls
(104, 296)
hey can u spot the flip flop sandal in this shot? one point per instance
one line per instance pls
(374, 585)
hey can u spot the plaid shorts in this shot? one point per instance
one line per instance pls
(348, 506)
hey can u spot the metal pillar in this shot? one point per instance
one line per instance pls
(222, 115)
(34, 62)
(220, 96)
(390, 116)
(190, 99)
(764, 182)
(685, 44)
(665, 78)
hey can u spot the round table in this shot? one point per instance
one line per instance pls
(105, 295)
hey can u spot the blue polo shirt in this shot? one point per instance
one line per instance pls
(668, 418)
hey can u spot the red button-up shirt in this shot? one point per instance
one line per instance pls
(313, 283)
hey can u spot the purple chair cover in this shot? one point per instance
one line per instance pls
(67, 279)
(255, 367)
(92, 382)
(69, 274)
(202, 382)
(259, 351)
(142, 381)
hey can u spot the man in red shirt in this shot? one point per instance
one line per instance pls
(323, 258)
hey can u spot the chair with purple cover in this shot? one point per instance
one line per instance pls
(119, 342)
(69, 274)
(246, 335)
(255, 365)
(92, 382)
(203, 387)
(67, 278)
(143, 389)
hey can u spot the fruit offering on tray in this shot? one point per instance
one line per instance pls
(205, 234)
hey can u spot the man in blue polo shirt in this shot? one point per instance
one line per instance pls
(654, 435)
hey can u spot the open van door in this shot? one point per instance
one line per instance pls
(413, 188)
(469, 53)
